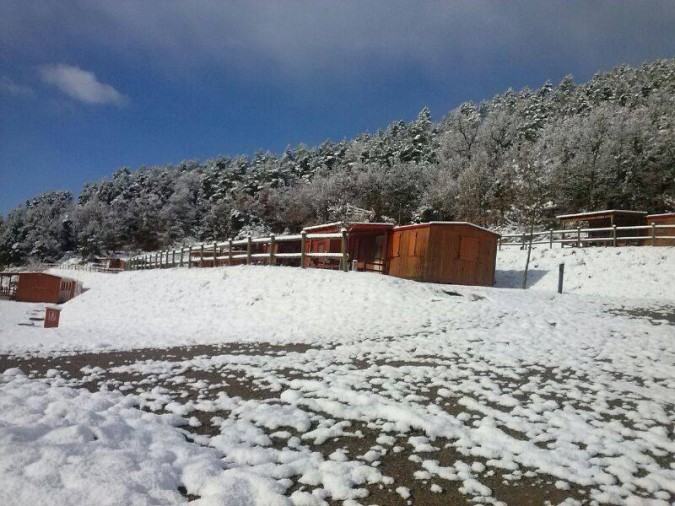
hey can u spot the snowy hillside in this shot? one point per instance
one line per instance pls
(307, 386)
(626, 272)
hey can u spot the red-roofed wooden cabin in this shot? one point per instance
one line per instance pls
(43, 287)
(661, 219)
(444, 252)
(607, 219)
(367, 243)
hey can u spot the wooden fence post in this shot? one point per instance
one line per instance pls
(561, 274)
(167, 259)
(499, 243)
(344, 264)
(215, 256)
(271, 249)
(201, 256)
(182, 254)
(579, 237)
(614, 235)
(653, 234)
(550, 238)
(189, 257)
(248, 250)
(229, 252)
(173, 258)
(523, 243)
(303, 249)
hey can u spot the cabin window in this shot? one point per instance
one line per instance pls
(396, 245)
(412, 245)
(379, 247)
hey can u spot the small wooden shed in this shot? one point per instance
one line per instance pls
(43, 287)
(367, 243)
(606, 219)
(662, 219)
(444, 252)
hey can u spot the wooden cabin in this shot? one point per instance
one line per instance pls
(606, 219)
(661, 219)
(38, 287)
(367, 243)
(444, 252)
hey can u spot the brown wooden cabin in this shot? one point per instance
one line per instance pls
(606, 219)
(110, 262)
(38, 287)
(661, 219)
(116, 263)
(444, 252)
(367, 243)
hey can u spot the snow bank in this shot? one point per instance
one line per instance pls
(630, 272)
(160, 308)
(189, 306)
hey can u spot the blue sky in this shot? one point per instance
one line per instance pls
(87, 87)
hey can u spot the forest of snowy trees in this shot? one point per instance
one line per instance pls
(609, 143)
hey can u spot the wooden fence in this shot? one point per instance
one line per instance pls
(241, 251)
(90, 267)
(644, 235)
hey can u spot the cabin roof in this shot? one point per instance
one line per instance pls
(458, 223)
(598, 215)
(350, 224)
(660, 215)
(38, 273)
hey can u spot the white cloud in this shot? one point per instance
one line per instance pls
(81, 84)
(9, 87)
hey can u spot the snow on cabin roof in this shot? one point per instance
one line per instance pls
(348, 224)
(661, 215)
(593, 214)
(58, 276)
(465, 223)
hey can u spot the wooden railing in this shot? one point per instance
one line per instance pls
(240, 251)
(90, 267)
(646, 235)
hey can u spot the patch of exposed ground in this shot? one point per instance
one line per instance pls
(398, 459)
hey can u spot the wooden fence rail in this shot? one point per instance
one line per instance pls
(587, 236)
(226, 252)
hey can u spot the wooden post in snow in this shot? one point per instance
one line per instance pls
(182, 254)
(344, 263)
(550, 239)
(201, 256)
(561, 274)
(189, 257)
(173, 258)
(653, 234)
(579, 237)
(614, 235)
(271, 249)
(248, 250)
(303, 248)
(229, 252)
(215, 256)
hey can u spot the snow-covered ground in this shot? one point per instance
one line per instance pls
(320, 385)
(628, 272)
